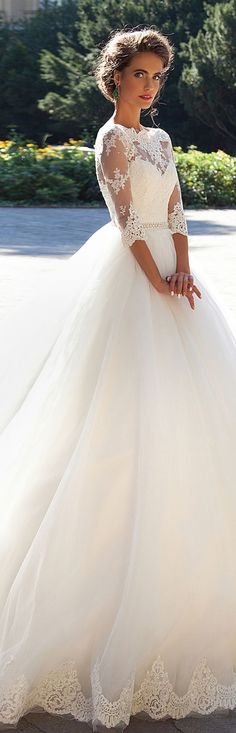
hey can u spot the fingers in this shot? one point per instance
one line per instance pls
(190, 282)
(172, 279)
(190, 299)
(178, 283)
(198, 292)
(186, 282)
(181, 283)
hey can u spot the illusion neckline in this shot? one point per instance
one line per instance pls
(137, 132)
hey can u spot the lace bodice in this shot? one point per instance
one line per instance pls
(138, 179)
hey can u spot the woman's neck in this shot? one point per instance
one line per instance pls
(127, 117)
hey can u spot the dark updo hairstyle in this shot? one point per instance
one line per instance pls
(122, 47)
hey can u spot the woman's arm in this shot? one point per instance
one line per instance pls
(178, 225)
(115, 170)
(179, 282)
(145, 259)
(182, 252)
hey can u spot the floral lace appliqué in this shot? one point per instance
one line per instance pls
(109, 143)
(133, 228)
(153, 147)
(177, 221)
(61, 693)
(138, 179)
(119, 180)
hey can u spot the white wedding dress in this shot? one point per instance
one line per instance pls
(117, 472)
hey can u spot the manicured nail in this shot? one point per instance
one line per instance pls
(172, 292)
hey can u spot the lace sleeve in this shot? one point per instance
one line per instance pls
(176, 218)
(115, 168)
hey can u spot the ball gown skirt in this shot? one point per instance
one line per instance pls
(117, 495)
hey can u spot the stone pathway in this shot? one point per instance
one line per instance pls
(224, 722)
(35, 241)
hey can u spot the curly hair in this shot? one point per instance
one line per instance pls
(120, 49)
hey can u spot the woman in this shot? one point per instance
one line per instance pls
(118, 502)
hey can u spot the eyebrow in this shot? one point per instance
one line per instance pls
(146, 72)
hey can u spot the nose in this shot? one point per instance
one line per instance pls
(148, 84)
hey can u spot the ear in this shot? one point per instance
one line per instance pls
(116, 77)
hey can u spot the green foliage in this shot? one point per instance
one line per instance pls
(208, 83)
(207, 179)
(32, 175)
(21, 83)
(47, 86)
(80, 102)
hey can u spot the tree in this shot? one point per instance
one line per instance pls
(21, 83)
(208, 82)
(75, 96)
(47, 84)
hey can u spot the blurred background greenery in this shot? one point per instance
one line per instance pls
(47, 87)
(65, 175)
(49, 97)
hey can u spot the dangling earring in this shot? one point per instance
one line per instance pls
(116, 92)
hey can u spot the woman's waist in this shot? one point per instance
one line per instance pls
(151, 224)
(154, 224)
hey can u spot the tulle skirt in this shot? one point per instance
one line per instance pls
(117, 495)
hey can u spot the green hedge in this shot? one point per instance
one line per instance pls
(207, 179)
(49, 176)
(36, 176)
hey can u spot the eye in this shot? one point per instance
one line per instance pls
(138, 73)
(158, 76)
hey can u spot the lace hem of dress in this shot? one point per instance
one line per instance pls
(61, 693)
(177, 221)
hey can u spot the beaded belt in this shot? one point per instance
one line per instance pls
(155, 224)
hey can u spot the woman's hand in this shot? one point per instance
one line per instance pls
(181, 283)
(163, 287)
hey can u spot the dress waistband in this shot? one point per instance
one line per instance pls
(155, 225)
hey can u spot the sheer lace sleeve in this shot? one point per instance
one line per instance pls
(176, 218)
(115, 170)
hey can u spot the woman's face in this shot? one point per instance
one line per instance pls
(139, 82)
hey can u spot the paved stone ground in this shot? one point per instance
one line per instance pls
(224, 722)
(34, 241)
